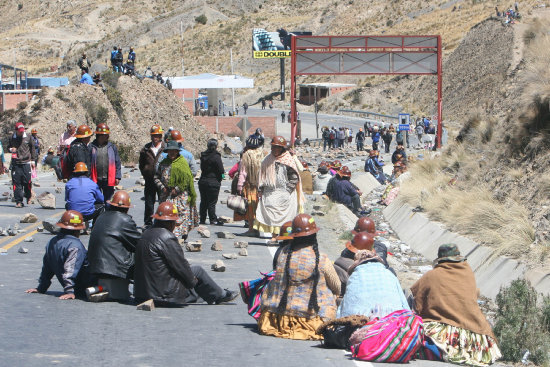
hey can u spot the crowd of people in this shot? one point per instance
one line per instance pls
(304, 297)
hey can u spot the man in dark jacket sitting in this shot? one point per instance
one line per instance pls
(163, 274)
(112, 246)
(344, 192)
(209, 184)
(66, 258)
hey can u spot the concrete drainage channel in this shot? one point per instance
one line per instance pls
(492, 272)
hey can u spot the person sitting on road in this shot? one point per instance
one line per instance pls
(374, 167)
(344, 192)
(335, 167)
(112, 246)
(371, 290)
(446, 299)
(345, 261)
(66, 258)
(86, 78)
(83, 195)
(52, 160)
(399, 150)
(321, 179)
(302, 295)
(78, 150)
(162, 272)
(176, 136)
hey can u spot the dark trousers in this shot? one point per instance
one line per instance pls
(209, 198)
(206, 287)
(359, 145)
(106, 190)
(21, 180)
(355, 206)
(387, 146)
(99, 208)
(150, 193)
(374, 145)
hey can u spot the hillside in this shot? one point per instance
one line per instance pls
(129, 107)
(48, 34)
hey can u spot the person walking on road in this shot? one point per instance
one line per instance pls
(247, 182)
(23, 158)
(148, 158)
(212, 173)
(36, 142)
(245, 107)
(279, 188)
(263, 104)
(112, 246)
(360, 140)
(105, 162)
(283, 117)
(67, 259)
(162, 272)
(176, 185)
(387, 137)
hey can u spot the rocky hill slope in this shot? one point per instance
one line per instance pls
(128, 106)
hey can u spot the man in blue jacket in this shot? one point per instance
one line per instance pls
(344, 192)
(83, 195)
(86, 78)
(66, 258)
(374, 167)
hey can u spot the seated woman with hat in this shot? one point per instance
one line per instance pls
(446, 299)
(302, 294)
(372, 290)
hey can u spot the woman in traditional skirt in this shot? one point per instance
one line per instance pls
(280, 188)
(174, 181)
(455, 328)
(247, 183)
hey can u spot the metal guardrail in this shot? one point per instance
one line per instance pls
(368, 113)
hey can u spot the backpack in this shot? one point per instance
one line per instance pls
(64, 164)
(399, 137)
(393, 338)
(113, 55)
(332, 136)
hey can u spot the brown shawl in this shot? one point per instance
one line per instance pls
(252, 161)
(448, 294)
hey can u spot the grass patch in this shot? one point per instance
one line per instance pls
(346, 236)
(523, 323)
(110, 78)
(115, 97)
(96, 112)
(127, 153)
(59, 95)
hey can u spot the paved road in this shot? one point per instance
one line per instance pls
(40, 330)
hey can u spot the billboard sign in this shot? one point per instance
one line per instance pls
(272, 45)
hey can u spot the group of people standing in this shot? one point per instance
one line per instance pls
(336, 137)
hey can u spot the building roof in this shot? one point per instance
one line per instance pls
(210, 81)
(6, 66)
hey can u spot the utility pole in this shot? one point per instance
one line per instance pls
(315, 106)
(182, 50)
(282, 78)
(14, 69)
(232, 89)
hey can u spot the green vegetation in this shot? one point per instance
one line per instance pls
(202, 19)
(110, 78)
(95, 111)
(59, 95)
(115, 97)
(521, 324)
(127, 153)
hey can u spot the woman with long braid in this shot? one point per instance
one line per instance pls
(303, 293)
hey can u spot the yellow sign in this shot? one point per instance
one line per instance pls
(75, 220)
(277, 54)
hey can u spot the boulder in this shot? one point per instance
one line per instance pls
(243, 252)
(218, 266)
(203, 231)
(146, 306)
(46, 200)
(195, 246)
(217, 246)
(229, 256)
(227, 235)
(29, 218)
(240, 244)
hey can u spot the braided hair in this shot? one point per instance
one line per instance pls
(296, 242)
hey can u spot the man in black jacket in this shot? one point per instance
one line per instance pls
(78, 150)
(112, 246)
(163, 274)
(23, 155)
(148, 157)
(209, 184)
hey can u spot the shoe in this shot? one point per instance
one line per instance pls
(19, 205)
(250, 233)
(229, 296)
(217, 222)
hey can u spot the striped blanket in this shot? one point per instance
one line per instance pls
(251, 293)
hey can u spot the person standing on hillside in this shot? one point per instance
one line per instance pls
(148, 158)
(105, 164)
(23, 156)
(83, 63)
(131, 60)
(212, 173)
(119, 60)
(113, 58)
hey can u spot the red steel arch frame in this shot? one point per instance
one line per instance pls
(366, 55)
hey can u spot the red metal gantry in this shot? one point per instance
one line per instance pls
(366, 55)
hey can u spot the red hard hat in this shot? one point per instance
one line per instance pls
(176, 136)
(71, 219)
(364, 224)
(336, 164)
(34, 131)
(279, 141)
(83, 131)
(102, 129)
(361, 241)
(166, 211)
(120, 199)
(344, 172)
(304, 225)
(286, 231)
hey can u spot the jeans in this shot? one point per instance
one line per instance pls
(359, 145)
(150, 193)
(325, 143)
(209, 198)
(206, 287)
(106, 190)
(21, 180)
